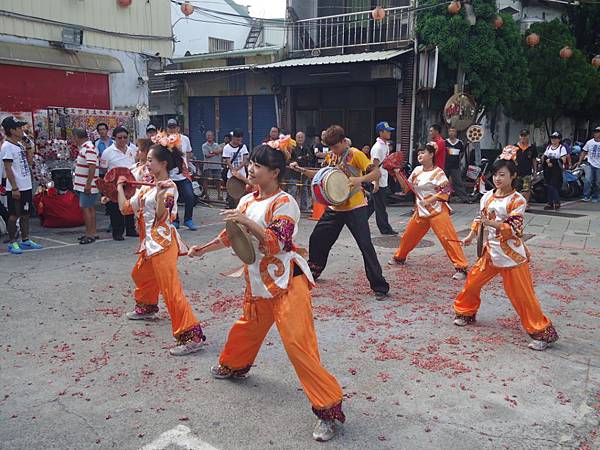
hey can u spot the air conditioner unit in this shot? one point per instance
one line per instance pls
(72, 36)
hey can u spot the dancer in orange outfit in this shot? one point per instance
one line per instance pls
(501, 212)
(155, 271)
(278, 287)
(429, 184)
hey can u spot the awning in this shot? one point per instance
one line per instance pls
(205, 70)
(54, 58)
(337, 59)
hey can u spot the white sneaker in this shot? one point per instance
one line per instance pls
(396, 262)
(186, 349)
(538, 346)
(325, 430)
(144, 316)
(459, 275)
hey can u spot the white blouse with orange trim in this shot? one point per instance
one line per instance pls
(505, 246)
(156, 233)
(427, 184)
(269, 276)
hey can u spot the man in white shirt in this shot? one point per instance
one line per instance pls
(18, 186)
(211, 151)
(184, 184)
(591, 150)
(235, 156)
(379, 188)
(120, 154)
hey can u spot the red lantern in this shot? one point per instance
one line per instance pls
(596, 61)
(498, 22)
(566, 52)
(454, 7)
(124, 3)
(378, 13)
(187, 9)
(533, 40)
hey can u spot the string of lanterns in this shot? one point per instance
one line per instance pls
(532, 39)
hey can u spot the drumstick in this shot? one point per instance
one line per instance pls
(140, 183)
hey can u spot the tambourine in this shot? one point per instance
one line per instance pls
(108, 185)
(240, 242)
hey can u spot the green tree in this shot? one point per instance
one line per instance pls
(559, 87)
(493, 60)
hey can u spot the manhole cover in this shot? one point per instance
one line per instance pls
(394, 242)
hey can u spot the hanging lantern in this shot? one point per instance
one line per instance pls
(454, 7)
(498, 22)
(187, 9)
(566, 52)
(378, 13)
(533, 40)
(596, 61)
(124, 3)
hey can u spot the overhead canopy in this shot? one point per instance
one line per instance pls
(337, 59)
(54, 58)
(205, 70)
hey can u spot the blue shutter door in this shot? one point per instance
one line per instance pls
(201, 111)
(263, 117)
(233, 112)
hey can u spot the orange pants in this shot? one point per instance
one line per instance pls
(158, 275)
(444, 230)
(292, 313)
(518, 286)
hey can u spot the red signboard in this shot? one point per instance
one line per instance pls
(30, 88)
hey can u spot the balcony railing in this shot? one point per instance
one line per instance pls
(352, 30)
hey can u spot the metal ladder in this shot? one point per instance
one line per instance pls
(254, 34)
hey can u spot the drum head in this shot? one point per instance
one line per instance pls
(480, 241)
(236, 188)
(335, 187)
(240, 242)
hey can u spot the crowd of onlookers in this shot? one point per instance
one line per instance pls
(220, 162)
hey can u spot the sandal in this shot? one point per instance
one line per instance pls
(87, 240)
(83, 236)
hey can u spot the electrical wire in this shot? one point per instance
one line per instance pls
(28, 18)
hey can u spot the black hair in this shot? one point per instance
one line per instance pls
(269, 157)
(102, 124)
(80, 133)
(427, 148)
(436, 127)
(509, 164)
(237, 132)
(173, 158)
(118, 130)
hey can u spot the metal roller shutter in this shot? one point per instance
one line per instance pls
(201, 112)
(263, 117)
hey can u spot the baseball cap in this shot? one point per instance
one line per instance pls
(597, 129)
(172, 123)
(383, 126)
(10, 123)
(237, 132)
(524, 132)
(151, 127)
(556, 134)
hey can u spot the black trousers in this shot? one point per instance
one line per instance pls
(186, 191)
(326, 233)
(118, 222)
(377, 204)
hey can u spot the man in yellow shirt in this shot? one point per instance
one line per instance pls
(353, 213)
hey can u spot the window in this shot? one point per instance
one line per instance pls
(216, 45)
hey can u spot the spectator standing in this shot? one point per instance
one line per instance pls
(182, 180)
(84, 182)
(120, 154)
(212, 167)
(435, 134)
(455, 151)
(591, 151)
(18, 186)
(526, 164)
(379, 187)
(553, 161)
(274, 133)
(235, 157)
(321, 150)
(304, 155)
(151, 131)
(103, 142)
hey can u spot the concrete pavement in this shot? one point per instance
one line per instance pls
(76, 375)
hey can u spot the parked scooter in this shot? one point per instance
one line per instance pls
(482, 175)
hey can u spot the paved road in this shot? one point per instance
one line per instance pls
(76, 375)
